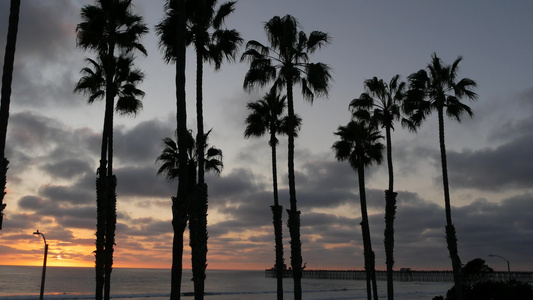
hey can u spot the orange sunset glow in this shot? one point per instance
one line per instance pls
(54, 141)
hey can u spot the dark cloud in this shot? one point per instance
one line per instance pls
(44, 28)
(143, 182)
(66, 194)
(142, 144)
(31, 203)
(14, 222)
(235, 185)
(69, 168)
(45, 53)
(34, 139)
(498, 169)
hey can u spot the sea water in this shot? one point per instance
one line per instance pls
(21, 283)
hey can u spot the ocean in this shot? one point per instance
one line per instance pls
(21, 283)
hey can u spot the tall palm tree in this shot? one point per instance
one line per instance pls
(93, 84)
(439, 89)
(381, 105)
(7, 78)
(359, 145)
(108, 27)
(286, 63)
(213, 44)
(267, 115)
(172, 32)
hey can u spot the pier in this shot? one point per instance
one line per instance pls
(400, 275)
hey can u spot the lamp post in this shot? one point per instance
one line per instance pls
(508, 266)
(44, 263)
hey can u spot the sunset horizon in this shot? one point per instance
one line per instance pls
(55, 137)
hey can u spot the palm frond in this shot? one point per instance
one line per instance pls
(317, 39)
(222, 13)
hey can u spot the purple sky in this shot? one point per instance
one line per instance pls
(54, 137)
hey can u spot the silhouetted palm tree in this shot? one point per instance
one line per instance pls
(172, 32)
(212, 44)
(7, 78)
(381, 105)
(170, 162)
(107, 27)
(359, 145)
(170, 159)
(267, 115)
(439, 89)
(286, 63)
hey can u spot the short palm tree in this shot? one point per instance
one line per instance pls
(170, 167)
(172, 31)
(360, 145)
(439, 89)
(381, 105)
(113, 32)
(7, 78)
(268, 115)
(285, 62)
(213, 44)
(170, 162)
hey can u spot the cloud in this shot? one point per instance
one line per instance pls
(45, 53)
(142, 182)
(39, 140)
(67, 194)
(496, 169)
(68, 168)
(141, 144)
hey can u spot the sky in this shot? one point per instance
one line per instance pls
(54, 139)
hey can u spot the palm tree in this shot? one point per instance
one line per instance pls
(107, 27)
(7, 78)
(359, 145)
(170, 166)
(286, 63)
(170, 159)
(267, 115)
(381, 104)
(172, 31)
(439, 89)
(213, 44)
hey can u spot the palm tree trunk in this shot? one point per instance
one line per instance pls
(198, 239)
(277, 211)
(110, 232)
(390, 214)
(199, 258)
(7, 79)
(110, 181)
(451, 237)
(367, 241)
(200, 114)
(99, 255)
(179, 223)
(294, 214)
(179, 203)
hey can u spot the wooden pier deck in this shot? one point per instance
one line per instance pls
(401, 275)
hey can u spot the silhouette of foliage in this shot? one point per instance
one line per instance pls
(285, 62)
(108, 27)
(360, 145)
(5, 96)
(439, 89)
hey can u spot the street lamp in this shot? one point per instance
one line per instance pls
(44, 263)
(508, 267)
